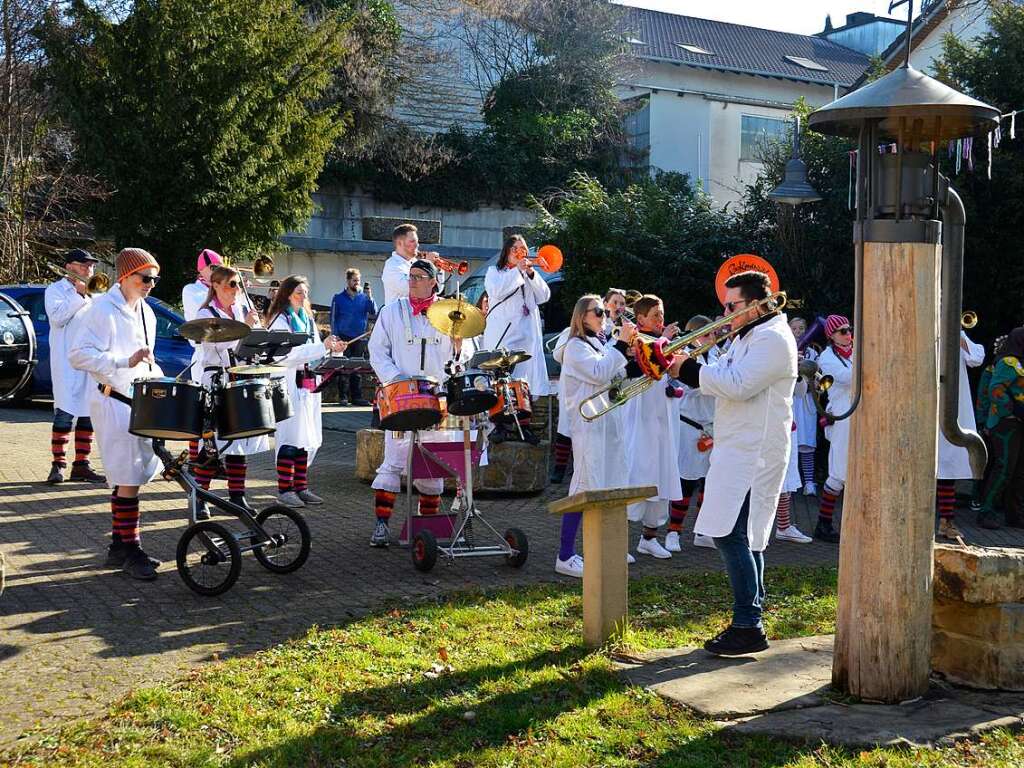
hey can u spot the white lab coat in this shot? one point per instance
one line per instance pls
(699, 407)
(217, 355)
(192, 297)
(395, 277)
(804, 413)
(509, 292)
(405, 345)
(304, 429)
(110, 333)
(65, 308)
(840, 395)
(597, 446)
(753, 386)
(793, 482)
(954, 462)
(558, 353)
(652, 451)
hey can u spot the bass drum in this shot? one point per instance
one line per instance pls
(17, 348)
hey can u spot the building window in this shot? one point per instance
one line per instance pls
(756, 132)
(637, 126)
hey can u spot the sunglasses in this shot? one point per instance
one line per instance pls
(598, 311)
(150, 279)
(730, 306)
(845, 330)
(234, 283)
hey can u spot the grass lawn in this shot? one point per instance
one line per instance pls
(497, 679)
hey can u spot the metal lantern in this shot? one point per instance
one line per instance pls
(795, 189)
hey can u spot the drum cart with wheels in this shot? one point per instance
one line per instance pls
(428, 459)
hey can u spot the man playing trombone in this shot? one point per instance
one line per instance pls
(67, 301)
(753, 386)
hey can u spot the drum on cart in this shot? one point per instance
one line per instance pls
(470, 393)
(166, 409)
(245, 409)
(17, 348)
(279, 398)
(409, 403)
(516, 392)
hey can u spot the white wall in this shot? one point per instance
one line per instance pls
(965, 23)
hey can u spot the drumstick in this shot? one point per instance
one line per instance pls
(360, 337)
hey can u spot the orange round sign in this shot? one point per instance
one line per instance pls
(744, 262)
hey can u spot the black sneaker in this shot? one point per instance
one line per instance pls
(56, 474)
(988, 519)
(118, 553)
(737, 641)
(360, 403)
(381, 535)
(240, 500)
(138, 565)
(824, 531)
(557, 475)
(530, 437)
(85, 473)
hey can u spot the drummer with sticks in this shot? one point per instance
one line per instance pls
(115, 347)
(404, 344)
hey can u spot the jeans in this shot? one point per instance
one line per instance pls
(746, 571)
(350, 386)
(62, 421)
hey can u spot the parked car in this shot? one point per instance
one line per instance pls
(173, 352)
(554, 318)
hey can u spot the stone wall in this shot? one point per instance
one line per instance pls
(978, 616)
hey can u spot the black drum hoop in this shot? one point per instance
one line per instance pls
(17, 310)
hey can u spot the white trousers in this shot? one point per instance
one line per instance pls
(389, 473)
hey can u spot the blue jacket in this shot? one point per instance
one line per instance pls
(349, 314)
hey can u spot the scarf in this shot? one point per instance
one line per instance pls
(420, 306)
(844, 352)
(298, 323)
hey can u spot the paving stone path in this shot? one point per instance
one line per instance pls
(75, 636)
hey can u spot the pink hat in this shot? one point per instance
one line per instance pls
(208, 258)
(833, 323)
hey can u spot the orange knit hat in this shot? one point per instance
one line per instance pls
(132, 260)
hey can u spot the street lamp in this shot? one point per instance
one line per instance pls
(795, 189)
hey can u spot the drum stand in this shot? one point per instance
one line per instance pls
(424, 547)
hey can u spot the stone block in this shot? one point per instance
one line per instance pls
(979, 574)
(380, 228)
(369, 453)
(1002, 623)
(976, 662)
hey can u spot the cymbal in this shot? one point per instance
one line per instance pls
(256, 369)
(213, 329)
(454, 317)
(505, 359)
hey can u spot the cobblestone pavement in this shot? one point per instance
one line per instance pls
(74, 636)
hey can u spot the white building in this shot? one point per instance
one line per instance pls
(709, 93)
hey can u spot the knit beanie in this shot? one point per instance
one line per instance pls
(132, 260)
(833, 323)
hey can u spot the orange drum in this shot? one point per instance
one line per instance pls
(408, 403)
(519, 394)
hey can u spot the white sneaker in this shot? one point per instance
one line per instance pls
(672, 543)
(810, 490)
(290, 499)
(794, 534)
(308, 497)
(630, 559)
(652, 547)
(700, 540)
(571, 567)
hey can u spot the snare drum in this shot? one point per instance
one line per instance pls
(471, 393)
(519, 394)
(408, 403)
(166, 409)
(279, 398)
(245, 409)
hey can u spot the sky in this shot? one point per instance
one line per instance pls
(805, 17)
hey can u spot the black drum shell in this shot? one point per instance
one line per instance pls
(245, 409)
(17, 348)
(166, 409)
(279, 397)
(465, 399)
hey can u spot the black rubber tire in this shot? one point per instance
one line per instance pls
(265, 554)
(424, 551)
(229, 557)
(517, 540)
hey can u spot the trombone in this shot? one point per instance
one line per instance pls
(263, 266)
(98, 283)
(969, 319)
(655, 357)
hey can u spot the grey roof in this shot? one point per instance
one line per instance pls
(735, 48)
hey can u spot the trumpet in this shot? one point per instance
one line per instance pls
(98, 283)
(451, 267)
(969, 319)
(549, 259)
(655, 357)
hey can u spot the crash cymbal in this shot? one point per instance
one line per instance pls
(482, 356)
(213, 329)
(454, 317)
(505, 359)
(252, 370)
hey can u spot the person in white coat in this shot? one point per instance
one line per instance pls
(806, 417)
(753, 387)
(651, 422)
(785, 528)
(589, 366)
(192, 297)
(836, 360)
(299, 437)
(516, 292)
(115, 347)
(696, 423)
(404, 344)
(954, 462)
(222, 301)
(406, 242)
(67, 301)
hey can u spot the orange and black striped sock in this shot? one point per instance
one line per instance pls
(383, 504)
(285, 472)
(429, 504)
(945, 498)
(59, 446)
(193, 450)
(301, 467)
(126, 519)
(677, 514)
(563, 450)
(83, 440)
(235, 466)
(782, 518)
(827, 507)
